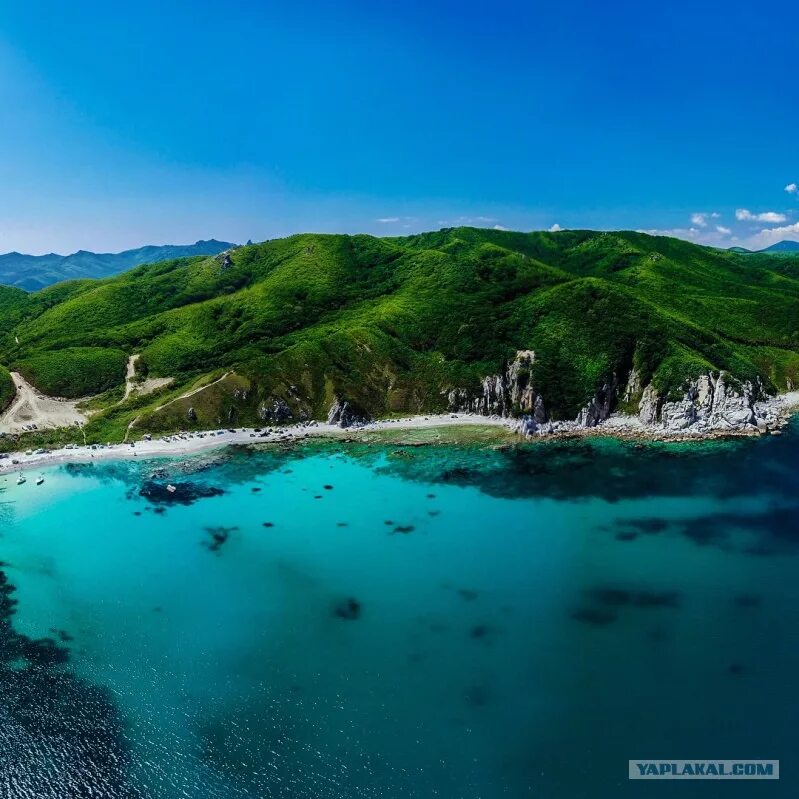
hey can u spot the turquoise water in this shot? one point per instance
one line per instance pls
(392, 622)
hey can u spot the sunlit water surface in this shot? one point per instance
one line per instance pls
(397, 622)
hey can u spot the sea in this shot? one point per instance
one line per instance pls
(379, 620)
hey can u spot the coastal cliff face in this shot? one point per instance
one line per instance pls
(508, 394)
(710, 403)
(344, 413)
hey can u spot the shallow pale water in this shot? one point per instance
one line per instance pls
(367, 621)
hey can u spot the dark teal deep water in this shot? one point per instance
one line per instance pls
(397, 622)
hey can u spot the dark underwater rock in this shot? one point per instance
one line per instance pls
(597, 617)
(184, 493)
(348, 609)
(404, 529)
(642, 598)
(217, 537)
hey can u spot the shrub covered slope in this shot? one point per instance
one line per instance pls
(391, 323)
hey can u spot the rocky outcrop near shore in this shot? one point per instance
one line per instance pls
(511, 394)
(600, 405)
(505, 394)
(713, 403)
(346, 414)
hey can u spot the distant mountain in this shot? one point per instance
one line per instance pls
(33, 272)
(783, 246)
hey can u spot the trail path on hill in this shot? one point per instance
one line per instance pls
(192, 392)
(145, 386)
(131, 365)
(30, 407)
(130, 374)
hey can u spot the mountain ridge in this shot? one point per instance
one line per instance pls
(34, 272)
(783, 246)
(293, 328)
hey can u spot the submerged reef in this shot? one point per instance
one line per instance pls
(62, 738)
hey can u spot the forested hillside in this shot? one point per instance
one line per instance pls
(393, 324)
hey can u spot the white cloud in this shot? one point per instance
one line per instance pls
(385, 220)
(467, 221)
(717, 237)
(500, 227)
(774, 217)
(769, 236)
(771, 216)
(699, 218)
(555, 228)
(792, 188)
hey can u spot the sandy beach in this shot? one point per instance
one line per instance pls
(189, 443)
(196, 442)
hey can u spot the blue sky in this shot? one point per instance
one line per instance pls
(154, 122)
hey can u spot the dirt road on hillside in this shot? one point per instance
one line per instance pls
(30, 407)
(141, 387)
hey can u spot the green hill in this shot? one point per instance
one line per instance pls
(392, 324)
(7, 389)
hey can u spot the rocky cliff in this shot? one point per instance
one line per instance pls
(507, 394)
(712, 402)
(346, 414)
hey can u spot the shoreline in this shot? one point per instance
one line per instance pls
(618, 426)
(194, 443)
